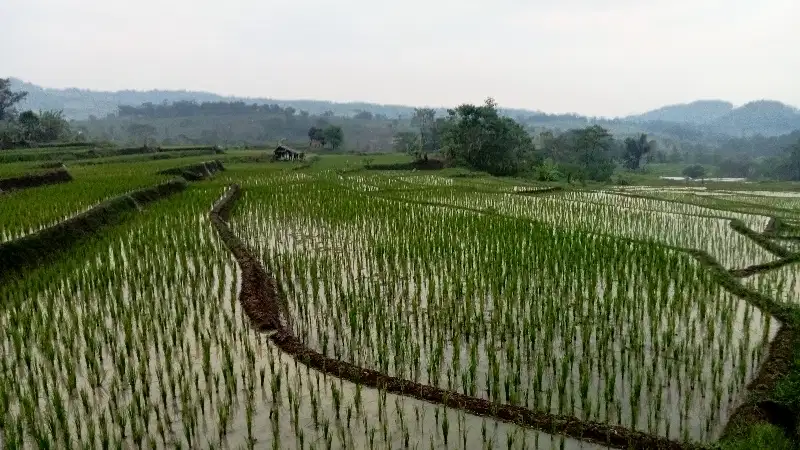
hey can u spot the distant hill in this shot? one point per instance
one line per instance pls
(765, 117)
(717, 117)
(79, 104)
(698, 112)
(703, 120)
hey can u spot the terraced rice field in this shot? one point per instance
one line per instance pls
(577, 304)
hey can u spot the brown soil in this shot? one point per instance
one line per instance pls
(28, 181)
(549, 190)
(260, 299)
(196, 172)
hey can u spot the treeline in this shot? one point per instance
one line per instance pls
(480, 138)
(194, 109)
(28, 127)
(238, 124)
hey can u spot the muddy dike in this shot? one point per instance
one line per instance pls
(542, 191)
(761, 240)
(60, 175)
(260, 299)
(765, 267)
(41, 246)
(196, 172)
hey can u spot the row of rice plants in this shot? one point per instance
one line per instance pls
(710, 234)
(26, 211)
(509, 310)
(137, 341)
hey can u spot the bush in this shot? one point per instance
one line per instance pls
(694, 171)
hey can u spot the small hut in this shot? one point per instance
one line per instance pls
(284, 153)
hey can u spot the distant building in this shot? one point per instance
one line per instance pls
(284, 153)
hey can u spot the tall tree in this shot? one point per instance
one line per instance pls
(476, 136)
(29, 124)
(793, 162)
(333, 136)
(143, 132)
(316, 135)
(635, 149)
(8, 98)
(406, 142)
(594, 153)
(425, 120)
(53, 126)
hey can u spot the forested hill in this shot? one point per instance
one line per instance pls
(764, 117)
(79, 104)
(701, 121)
(698, 112)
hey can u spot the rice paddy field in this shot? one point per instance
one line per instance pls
(581, 304)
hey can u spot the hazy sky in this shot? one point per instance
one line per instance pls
(595, 57)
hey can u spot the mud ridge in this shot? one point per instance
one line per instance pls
(761, 240)
(765, 267)
(542, 191)
(196, 172)
(60, 175)
(36, 248)
(260, 300)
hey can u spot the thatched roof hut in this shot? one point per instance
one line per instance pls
(285, 153)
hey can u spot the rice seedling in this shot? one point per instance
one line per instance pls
(536, 313)
(136, 339)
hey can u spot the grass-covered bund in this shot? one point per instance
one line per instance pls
(325, 305)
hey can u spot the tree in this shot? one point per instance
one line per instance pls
(594, 153)
(406, 142)
(9, 135)
(29, 126)
(792, 164)
(476, 136)
(737, 167)
(143, 132)
(425, 120)
(8, 98)
(548, 171)
(316, 134)
(635, 149)
(53, 126)
(694, 171)
(363, 115)
(334, 136)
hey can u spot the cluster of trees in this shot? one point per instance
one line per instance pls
(331, 135)
(236, 124)
(27, 127)
(427, 136)
(480, 137)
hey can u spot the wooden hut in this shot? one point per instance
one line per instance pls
(284, 153)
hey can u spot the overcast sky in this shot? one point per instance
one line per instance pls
(595, 57)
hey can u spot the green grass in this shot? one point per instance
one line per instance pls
(757, 437)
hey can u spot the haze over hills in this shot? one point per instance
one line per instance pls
(697, 112)
(698, 119)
